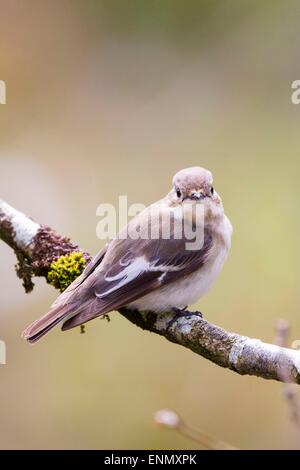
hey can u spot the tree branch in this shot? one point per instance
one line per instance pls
(289, 390)
(37, 247)
(170, 419)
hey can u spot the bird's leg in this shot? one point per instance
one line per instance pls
(182, 312)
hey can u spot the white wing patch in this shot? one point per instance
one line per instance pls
(131, 271)
(127, 274)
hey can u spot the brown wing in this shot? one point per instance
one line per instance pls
(128, 270)
(137, 268)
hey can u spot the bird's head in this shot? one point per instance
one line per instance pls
(194, 185)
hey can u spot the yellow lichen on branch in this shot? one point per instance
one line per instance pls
(66, 269)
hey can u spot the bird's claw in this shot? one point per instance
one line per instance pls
(182, 313)
(197, 312)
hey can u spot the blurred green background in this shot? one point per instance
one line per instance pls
(113, 97)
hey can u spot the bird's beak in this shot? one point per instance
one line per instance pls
(196, 196)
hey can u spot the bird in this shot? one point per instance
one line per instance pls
(154, 263)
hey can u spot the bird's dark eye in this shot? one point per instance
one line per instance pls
(178, 192)
(212, 190)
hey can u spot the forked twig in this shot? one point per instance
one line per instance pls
(170, 419)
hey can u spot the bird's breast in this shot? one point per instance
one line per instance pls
(189, 289)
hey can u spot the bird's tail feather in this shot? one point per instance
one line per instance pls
(40, 327)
